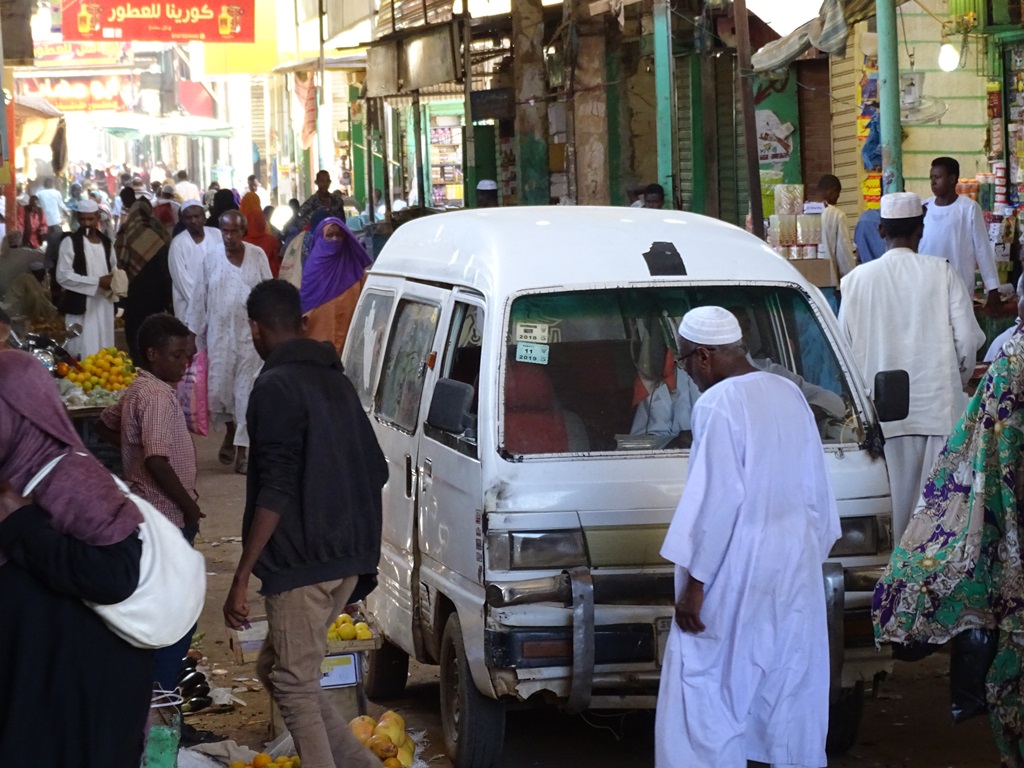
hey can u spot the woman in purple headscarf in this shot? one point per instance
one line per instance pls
(332, 280)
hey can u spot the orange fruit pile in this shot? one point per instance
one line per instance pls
(110, 369)
(263, 760)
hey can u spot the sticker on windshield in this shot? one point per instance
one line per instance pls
(536, 333)
(532, 353)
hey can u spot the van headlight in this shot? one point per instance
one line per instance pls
(863, 536)
(536, 550)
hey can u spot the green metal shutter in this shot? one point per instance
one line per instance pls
(685, 149)
(733, 198)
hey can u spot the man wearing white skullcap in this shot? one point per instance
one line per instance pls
(930, 332)
(745, 675)
(487, 194)
(84, 267)
(189, 249)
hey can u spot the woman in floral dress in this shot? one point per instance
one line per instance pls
(959, 565)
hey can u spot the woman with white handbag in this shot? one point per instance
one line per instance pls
(73, 693)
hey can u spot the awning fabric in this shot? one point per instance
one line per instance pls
(129, 125)
(828, 33)
(351, 61)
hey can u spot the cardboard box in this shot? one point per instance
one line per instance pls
(819, 272)
(246, 643)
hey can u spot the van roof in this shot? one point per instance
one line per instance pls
(501, 251)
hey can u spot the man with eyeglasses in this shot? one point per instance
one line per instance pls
(745, 675)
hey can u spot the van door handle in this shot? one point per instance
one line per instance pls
(410, 476)
(427, 474)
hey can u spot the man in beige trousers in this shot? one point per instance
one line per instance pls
(312, 523)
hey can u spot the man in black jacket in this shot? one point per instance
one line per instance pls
(312, 524)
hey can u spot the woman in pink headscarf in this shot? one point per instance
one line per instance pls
(72, 693)
(332, 279)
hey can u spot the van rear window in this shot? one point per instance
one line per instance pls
(595, 371)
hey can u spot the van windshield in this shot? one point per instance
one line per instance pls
(590, 371)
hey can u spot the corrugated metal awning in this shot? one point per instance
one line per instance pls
(396, 15)
(828, 33)
(331, 63)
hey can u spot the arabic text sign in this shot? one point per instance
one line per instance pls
(219, 21)
(78, 54)
(83, 94)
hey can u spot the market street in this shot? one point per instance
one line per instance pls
(907, 726)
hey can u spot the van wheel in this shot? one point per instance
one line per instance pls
(473, 724)
(844, 720)
(386, 671)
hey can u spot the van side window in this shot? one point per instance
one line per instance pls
(462, 350)
(462, 363)
(405, 364)
(363, 352)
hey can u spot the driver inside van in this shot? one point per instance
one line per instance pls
(666, 411)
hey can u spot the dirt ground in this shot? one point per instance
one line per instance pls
(907, 724)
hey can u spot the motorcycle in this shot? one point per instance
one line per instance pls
(47, 351)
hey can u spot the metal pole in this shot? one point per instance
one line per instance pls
(417, 130)
(469, 142)
(321, 67)
(385, 136)
(746, 84)
(889, 97)
(663, 93)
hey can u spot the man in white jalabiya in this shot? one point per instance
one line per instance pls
(930, 332)
(745, 675)
(189, 249)
(218, 317)
(85, 262)
(955, 230)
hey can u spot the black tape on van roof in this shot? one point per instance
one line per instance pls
(664, 259)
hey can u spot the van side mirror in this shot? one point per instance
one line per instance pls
(449, 407)
(892, 395)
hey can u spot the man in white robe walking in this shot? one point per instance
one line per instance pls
(188, 251)
(745, 675)
(218, 317)
(84, 266)
(929, 331)
(955, 230)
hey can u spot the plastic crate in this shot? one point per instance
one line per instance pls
(105, 453)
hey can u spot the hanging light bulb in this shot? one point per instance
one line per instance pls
(949, 56)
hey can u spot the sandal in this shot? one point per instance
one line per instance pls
(242, 463)
(226, 455)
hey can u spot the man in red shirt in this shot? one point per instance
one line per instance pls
(159, 458)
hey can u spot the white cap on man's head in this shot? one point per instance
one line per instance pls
(190, 204)
(88, 206)
(901, 205)
(710, 325)
(487, 185)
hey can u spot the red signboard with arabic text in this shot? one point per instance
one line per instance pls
(219, 21)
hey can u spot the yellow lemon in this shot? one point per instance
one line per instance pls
(347, 632)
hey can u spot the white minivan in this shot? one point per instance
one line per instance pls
(519, 368)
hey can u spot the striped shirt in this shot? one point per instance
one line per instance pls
(152, 423)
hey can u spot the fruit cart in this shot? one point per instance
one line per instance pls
(342, 670)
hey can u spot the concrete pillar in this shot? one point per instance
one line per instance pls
(530, 75)
(663, 85)
(590, 109)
